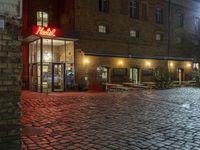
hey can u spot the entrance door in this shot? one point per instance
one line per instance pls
(134, 75)
(58, 77)
(180, 75)
(34, 78)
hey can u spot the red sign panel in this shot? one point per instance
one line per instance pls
(45, 31)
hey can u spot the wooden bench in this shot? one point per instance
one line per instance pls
(116, 87)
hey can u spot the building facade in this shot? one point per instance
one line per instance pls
(71, 43)
(10, 68)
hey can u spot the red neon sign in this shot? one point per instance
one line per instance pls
(45, 31)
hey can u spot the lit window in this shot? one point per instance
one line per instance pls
(102, 29)
(159, 37)
(158, 15)
(195, 65)
(103, 73)
(134, 33)
(42, 19)
(103, 5)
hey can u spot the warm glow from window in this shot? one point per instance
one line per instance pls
(102, 29)
(171, 64)
(42, 19)
(47, 57)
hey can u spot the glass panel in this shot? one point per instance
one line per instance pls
(58, 51)
(135, 75)
(58, 77)
(38, 51)
(102, 74)
(69, 77)
(45, 19)
(31, 45)
(69, 52)
(47, 52)
(33, 52)
(47, 77)
(39, 77)
(34, 77)
(39, 18)
(131, 74)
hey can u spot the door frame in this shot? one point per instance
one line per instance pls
(138, 74)
(182, 74)
(31, 75)
(53, 64)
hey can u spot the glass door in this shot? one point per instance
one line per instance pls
(58, 77)
(180, 75)
(134, 75)
(34, 80)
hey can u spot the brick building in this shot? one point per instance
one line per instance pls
(69, 42)
(10, 68)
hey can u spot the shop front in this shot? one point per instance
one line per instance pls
(50, 62)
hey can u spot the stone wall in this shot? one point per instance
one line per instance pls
(10, 68)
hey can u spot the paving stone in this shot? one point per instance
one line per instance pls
(152, 120)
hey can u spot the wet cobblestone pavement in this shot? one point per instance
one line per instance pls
(149, 120)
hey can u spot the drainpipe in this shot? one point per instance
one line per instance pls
(169, 28)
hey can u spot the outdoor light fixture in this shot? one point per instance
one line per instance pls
(86, 61)
(121, 62)
(171, 64)
(148, 64)
(189, 65)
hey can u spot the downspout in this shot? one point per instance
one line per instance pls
(169, 34)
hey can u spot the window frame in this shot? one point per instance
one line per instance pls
(159, 15)
(136, 33)
(103, 6)
(103, 31)
(180, 19)
(42, 18)
(161, 36)
(134, 9)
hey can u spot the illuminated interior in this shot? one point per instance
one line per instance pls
(51, 65)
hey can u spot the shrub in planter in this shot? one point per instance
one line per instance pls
(196, 77)
(162, 78)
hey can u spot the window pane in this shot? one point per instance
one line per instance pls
(158, 37)
(58, 51)
(69, 52)
(102, 29)
(33, 52)
(39, 18)
(103, 5)
(45, 19)
(133, 33)
(47, 52)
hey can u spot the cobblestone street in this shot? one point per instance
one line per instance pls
(150, 120)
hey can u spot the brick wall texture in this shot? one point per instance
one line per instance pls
(10, 68)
